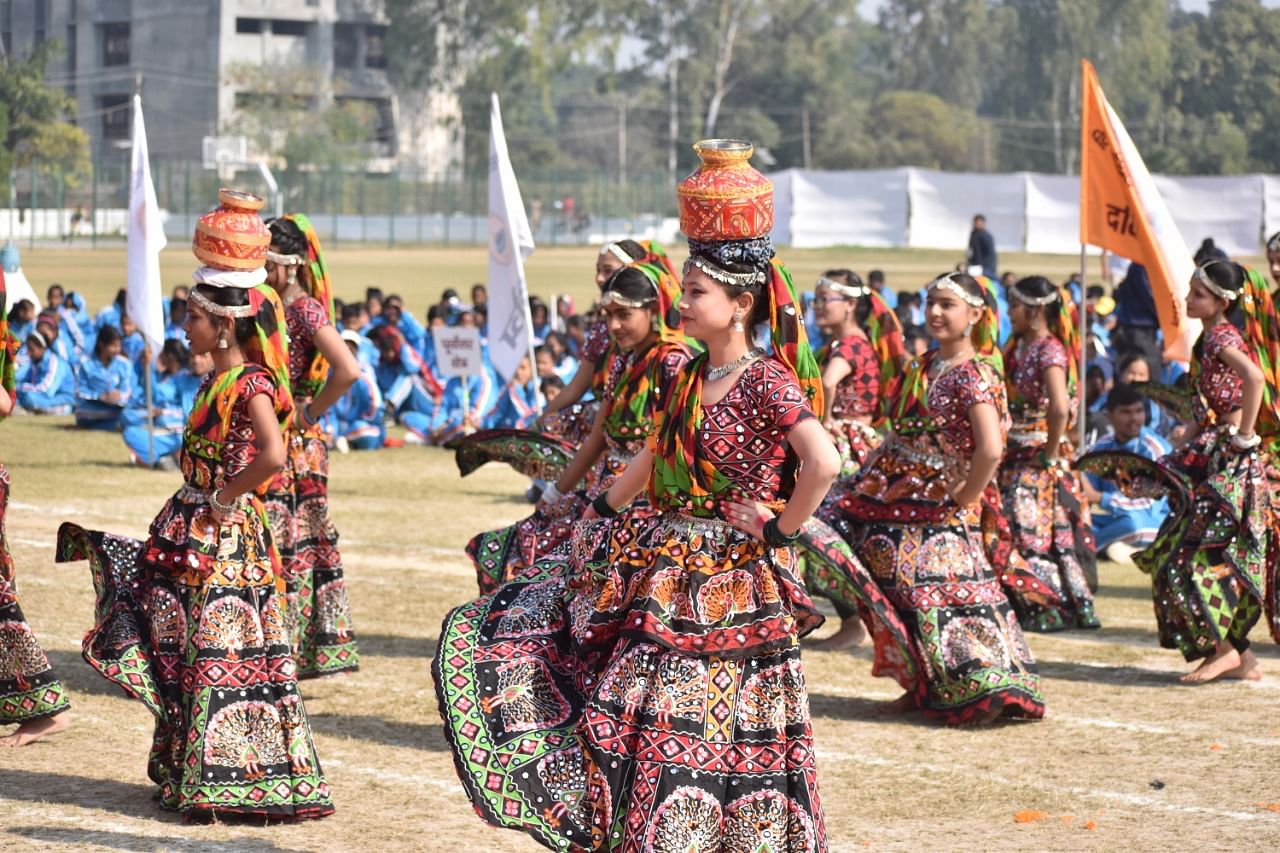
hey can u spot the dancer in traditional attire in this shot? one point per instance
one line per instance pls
(1042, 496)
(1213, 561)
(865, 352)
(937, 612)
(1273, 259)
(30, 694)
(321, 369)
(656, 699)
(192, 622)
(648, 351)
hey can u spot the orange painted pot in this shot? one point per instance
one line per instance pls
(725, 198)
(232, 237)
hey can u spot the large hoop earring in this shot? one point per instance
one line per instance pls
(737, 321)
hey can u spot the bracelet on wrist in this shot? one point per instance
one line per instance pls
(601, 506)
(1246, 442)
(305, 412)
(775, 538)
(221, 507)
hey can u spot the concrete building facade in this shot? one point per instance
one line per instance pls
(190, 59)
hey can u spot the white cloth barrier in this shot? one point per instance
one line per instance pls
(1227, 208)
(943, 205)
(1271, 202)
(867, 208)
(1053, 213)
(1029, 211)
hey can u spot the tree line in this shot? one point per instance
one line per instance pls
(987, 85)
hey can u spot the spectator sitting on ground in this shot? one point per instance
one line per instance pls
(46, 384)
(104, 384)
(1119, 519)
(358, 413)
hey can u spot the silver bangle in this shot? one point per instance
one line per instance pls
(550, 494)
(219, 506)
(1243, 443)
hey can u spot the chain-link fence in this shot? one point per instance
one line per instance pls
(390, 209)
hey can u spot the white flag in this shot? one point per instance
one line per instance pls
(510, 243)
(146, 238)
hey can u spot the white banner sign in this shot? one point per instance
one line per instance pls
(458, 351)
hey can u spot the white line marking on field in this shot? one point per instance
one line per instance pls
(1137, 800)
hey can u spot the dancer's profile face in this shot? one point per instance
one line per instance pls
(607, 263)
(830, 308)
(1273, 261)
(202, 330)
(1019, 317)
(706, 308)
(1201, 304)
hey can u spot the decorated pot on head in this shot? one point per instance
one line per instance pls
(725, 198)
(232, 237)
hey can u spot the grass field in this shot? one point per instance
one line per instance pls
(1125, 760)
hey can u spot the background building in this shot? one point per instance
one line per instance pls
(182, 53)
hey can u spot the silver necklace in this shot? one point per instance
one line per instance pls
(943, 365)
(714, 373)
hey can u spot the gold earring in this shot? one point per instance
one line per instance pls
(737, 321)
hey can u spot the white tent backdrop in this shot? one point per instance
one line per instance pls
(1226, 208)
(943, 205)
(1025, 211)
(1271, 199)
(849, 208)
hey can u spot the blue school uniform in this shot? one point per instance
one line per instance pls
(1119, 518)
(47, 386)
(94, 381)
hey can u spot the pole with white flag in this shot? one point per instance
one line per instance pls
(146, 238)
(510, 244)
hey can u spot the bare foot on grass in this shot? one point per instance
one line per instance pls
(1248, 670)
(851, 634)
(34, 730)
(904, 704)
(1215, 666)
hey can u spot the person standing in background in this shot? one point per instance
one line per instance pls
(982, 247)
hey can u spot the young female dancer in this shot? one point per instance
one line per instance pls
(941, 623)
(1210, 561)
(1042, 497)
(192, 621)
(30, 694)
(321, 369)
(648, 351)
(655, 699)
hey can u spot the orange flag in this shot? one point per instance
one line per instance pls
(1122, 211)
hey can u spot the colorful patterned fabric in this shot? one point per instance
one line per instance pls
(29, 688)
(695, 448)
(1214, 558)
(1047, 514)
(1179, 402)
(536, 455)
(192, 624)
(1262, 330)
(317, 608)
(857, 401)
(308, 381)
(884, 331)
(8, 347)
(270, 348)
(304, 318)
(933, 561)
(790, 341)
(507, 553)
(644, 690)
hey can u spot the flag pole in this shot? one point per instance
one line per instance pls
(151, 426)
(1084, 354)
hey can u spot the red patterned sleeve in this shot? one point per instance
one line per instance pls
(252, 383)
(843, 348)
(779, 397)
(977, 383)
(1052, 354)
(1221, 337)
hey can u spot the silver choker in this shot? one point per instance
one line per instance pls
(714, 373)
